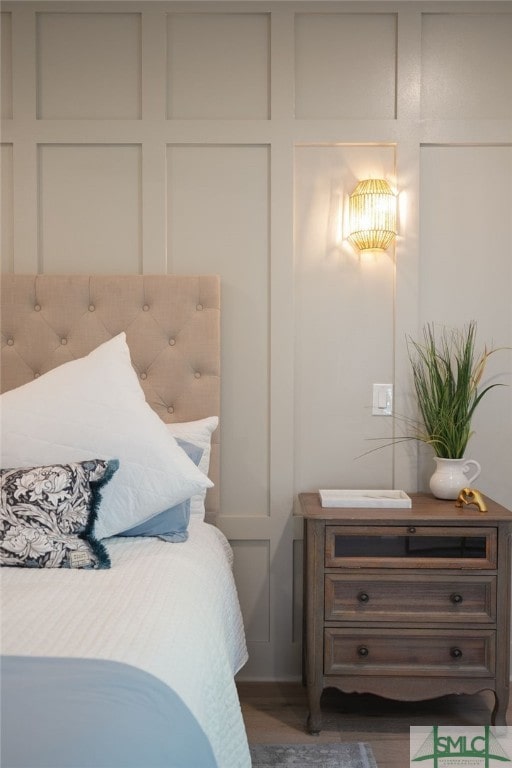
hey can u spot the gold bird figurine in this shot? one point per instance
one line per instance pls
(471, 496)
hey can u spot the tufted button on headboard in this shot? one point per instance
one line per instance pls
(172, 325)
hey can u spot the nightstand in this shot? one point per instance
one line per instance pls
(404, 603)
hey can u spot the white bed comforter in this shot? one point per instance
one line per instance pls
(169, 609)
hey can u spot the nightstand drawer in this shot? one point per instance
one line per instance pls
(410, 546)
(413, 652)
(426, 598)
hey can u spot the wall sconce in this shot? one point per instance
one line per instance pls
(372, 215)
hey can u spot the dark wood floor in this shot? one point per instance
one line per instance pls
(276, 713)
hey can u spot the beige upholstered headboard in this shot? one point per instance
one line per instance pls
(172, 325)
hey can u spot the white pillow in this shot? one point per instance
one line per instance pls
(200, 433)
(94, 407)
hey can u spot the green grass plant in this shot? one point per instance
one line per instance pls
(447, 369)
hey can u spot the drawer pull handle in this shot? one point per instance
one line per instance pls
(363, 651)
(412, 529)
(456, 598)
(363, 597)
(455, 653)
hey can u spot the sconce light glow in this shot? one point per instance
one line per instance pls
(372, 212)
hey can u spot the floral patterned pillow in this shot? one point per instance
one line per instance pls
(47, 515)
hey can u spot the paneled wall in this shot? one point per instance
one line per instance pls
(225, 138)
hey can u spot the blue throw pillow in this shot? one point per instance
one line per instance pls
(172, 523)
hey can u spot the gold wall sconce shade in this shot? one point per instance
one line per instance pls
(372, 212)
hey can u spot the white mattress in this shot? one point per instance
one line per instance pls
(168, 609)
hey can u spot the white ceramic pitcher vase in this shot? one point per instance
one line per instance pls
(451, 475)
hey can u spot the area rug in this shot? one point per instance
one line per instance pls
(350, 755)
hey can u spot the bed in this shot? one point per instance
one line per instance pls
(121, 628)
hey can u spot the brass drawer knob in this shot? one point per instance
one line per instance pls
(455, 653)
(363, 651)
(412, 529)
(363, 597)
(456, 598)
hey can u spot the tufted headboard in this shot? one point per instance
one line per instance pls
(172, 325)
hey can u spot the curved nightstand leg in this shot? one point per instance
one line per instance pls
(314, 722)
(499, 713)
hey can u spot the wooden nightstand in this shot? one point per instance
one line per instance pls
(406, 603)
